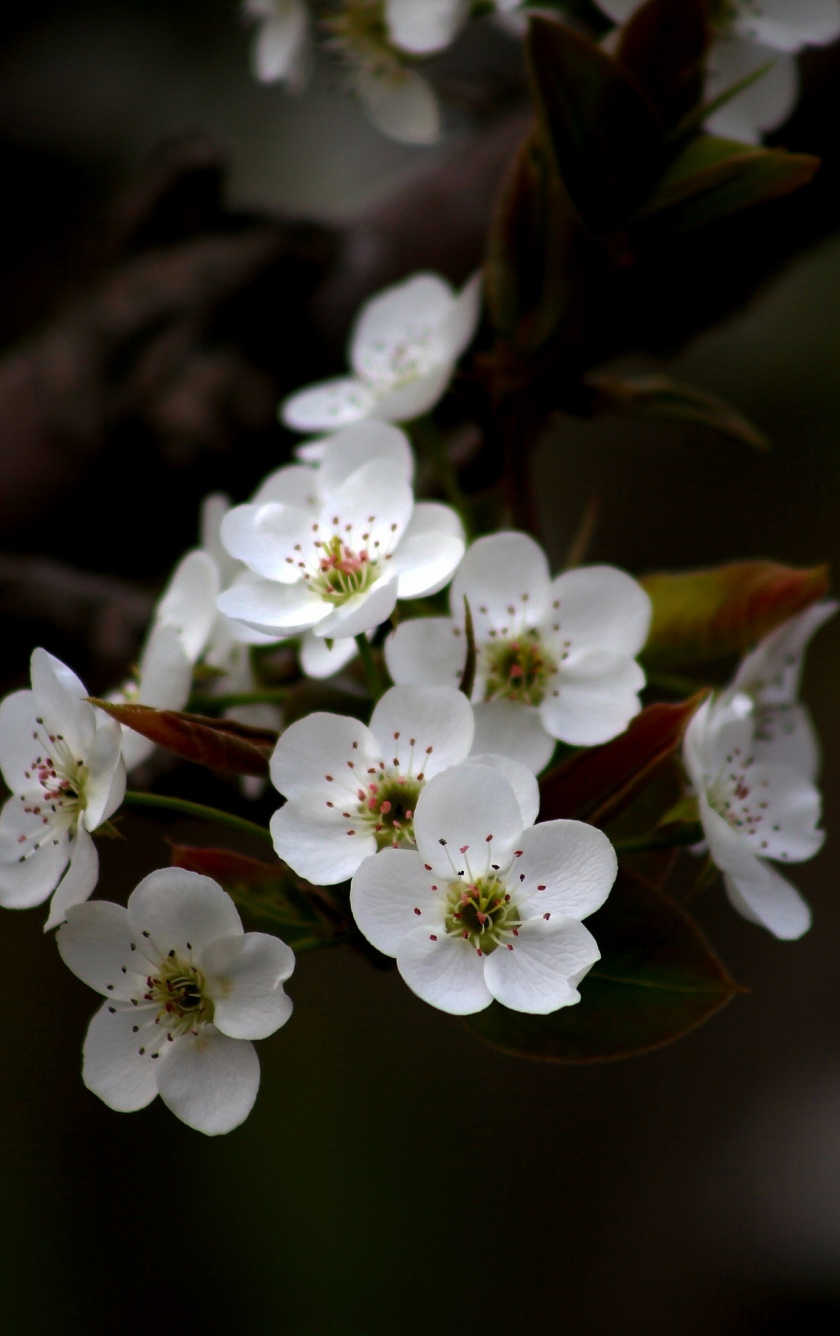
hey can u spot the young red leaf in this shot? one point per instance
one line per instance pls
(657, 979)
(597, 783)
(221, 744)
(663, 46)
(700, 616)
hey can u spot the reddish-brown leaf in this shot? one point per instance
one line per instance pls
(221, 744)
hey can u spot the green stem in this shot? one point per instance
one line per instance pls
(186, 808)
(372, 676)
(676, 684)
(690, 833)
(268, 696)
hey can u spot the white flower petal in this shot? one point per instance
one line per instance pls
(391, 895)
(588, 710)
(444, 971)
(423, 729)
(601, 607)
(281, 610)
(426, 651)
(244, 977)
(511, 728)
(59, 700)
(280, 47)
(328, 406)
(521, 778)
(506, 579)
(78, 881)
(95, 943)
(360, 614)
(468, 818)
(391, 324)
(771, 672)
(319, 844)
(536, 975)
(189, 601)
(18, 747)
(113, 1067)
(180, 911)
(209, 1081)
(268, 538)
(31, 882)
(431, 547)
(786, 736)
(788, 25)
(762, 106)
(764, 896)
(462, 321)
(318, 747)
(320, 657)
(290, 485)
(423, 26)
(371, 508)
(567, 868)
(403, 106)
(105, 784)
(361, 444)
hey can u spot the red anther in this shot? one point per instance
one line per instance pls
(546, 917)
(516, 671)
(465, 935)
(517, 853)
(509, 946)
(464, 848)
(416, 910)
(482, 918)
(385, 808)
(432, 937)
(478, 951)
(487, 839)
(351, 832)
(541, 888)
(516, 932)
(428, 867)
(409, 813)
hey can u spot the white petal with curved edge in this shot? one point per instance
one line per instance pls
(370, 509)
(601, 607)
(771, 672)
(761, 106)
(405, 401)
(393, 322)
(189, 601)
(513, 729)
(423, 26)
(592, 710)
(113, 1067)
(536, 975)
(403, 107)
(391, 895)
(431, 547)
(105, 784)
(788, 25)
(764, 896)
(59, 700)
(180, 911)
(568, 869)
(423, 729)
(329, 405)
(319, 844)
(320, 657)
(318, 746)
(447, 973)
(426, 651)
(280, 48)
(267, 606)
(522, 780)
(290, 485)
(78, 881)
(209, 1081)
(244, 976)
(506, 579)
(360, 614)
(95, 943)
(462, 321)
(359, 445)
(269, 538)
(467, 818)
(786, 736)
(28, 883)
(18, 748)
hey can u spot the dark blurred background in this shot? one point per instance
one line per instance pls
(395, 1176)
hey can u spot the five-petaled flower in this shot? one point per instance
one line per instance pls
(62, 760)
(186, 991)
(489, 906)
(555, 658)
(751, 810)
(352, 790)
(403, 351)
(331, 547)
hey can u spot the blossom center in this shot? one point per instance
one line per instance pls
(178, 991)
(359, 35)
(482, 913)
(735, 797)
(62, 780)
(387, 805)
(518, 669)
(342, 572)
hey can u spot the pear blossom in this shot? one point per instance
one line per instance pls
(751, 810)
(331, 548)
(281, 49)
(489, 905)
(61, 758)
(750, 35)
(555, 657)
(186, 991)
(352, 790)
(403, 349)
(770, 676)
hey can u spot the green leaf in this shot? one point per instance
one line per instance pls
(657, 979)
(663, 46)
(712, 178)
(596, 784)
(659, 397)
(700, 616)
(605, 138)
(221, 744)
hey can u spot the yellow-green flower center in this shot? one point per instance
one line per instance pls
(482, 913)
(342, 572)
(387, 805)
(178, 991)
(518, 669)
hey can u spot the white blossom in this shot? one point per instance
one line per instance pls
(751, 34)
(489, 906)
(352, 790)
(186, 991)
(403, 349)
(281, 48)
(61, 758)
(555, 658)
(752, 810)
(770, 676)
(331, 548)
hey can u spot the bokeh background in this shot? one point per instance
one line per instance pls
(396, 1176)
